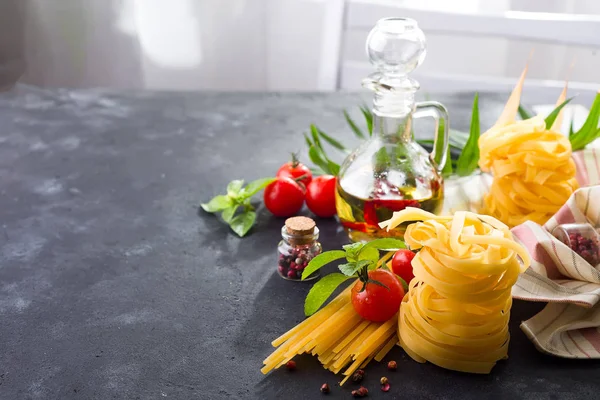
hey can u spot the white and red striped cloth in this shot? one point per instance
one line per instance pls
(569, 325)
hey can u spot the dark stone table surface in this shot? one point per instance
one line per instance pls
(114, 286)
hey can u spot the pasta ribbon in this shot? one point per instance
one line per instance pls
(456, 312)
(534, 174)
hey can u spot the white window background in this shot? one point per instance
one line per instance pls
(255, 45)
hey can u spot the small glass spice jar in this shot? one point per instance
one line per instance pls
(298, 246)
(582, 238)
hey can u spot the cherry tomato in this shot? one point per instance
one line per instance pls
(401, 264)
(320, 196)
(295, 169)
(284, 197)
(377, 303)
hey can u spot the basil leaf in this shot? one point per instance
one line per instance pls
(349, 269)
(321, 291)
(255, 186)
(352, 250)
(321, 260)
(468, 159)
(368, 118)
(234, 187)
(217, 203)
(524, 113)
(386, 244)
(228, 213)
(242, 223)
(554, 114)
(368, 253)
(353, 126)
(332, 141)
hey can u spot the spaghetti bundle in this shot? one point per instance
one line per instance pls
(456, 312)
(340, 338)
(534, 174)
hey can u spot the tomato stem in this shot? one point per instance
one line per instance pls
(295, 160)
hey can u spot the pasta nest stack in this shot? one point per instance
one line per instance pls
(456, 312)
(533, 172)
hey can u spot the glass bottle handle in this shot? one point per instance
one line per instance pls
(438, 112)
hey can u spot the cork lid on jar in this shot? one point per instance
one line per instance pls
(300, 226)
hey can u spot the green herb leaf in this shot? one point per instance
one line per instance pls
(353, 250)
(332, 141)
(386, 244)
(468, 159)
(368, 118)
(316, 157)
(242, 223)
(369, 253)
(321, 291)
(256, 186)
(349, 269)
(524, 113)
(314, 131)
(307, 140)
(448, 169)
(228, 213)
(353, 126)
(217, 203)
(403, 283)
(554, 114)
(321, 260)
(571, 131)
(588, 132)
(334, 168)
(234, 187)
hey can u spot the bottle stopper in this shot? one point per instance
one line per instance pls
(300, 226)
(395, 47)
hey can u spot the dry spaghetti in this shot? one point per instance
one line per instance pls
(341, 339)
(456, 312)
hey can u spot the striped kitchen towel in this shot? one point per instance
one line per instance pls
(569, 325)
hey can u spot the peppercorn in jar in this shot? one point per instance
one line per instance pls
(582, 238)
(299, 245)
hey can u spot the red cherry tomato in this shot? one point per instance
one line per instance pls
(320, 196)
(295, 169)
(377, 303)
(401, 264)
(284, 197)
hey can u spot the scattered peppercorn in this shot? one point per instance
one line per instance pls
(360, 392)
(290, 365)
(383, 380)
(385, 388)
(392, 365)
(358, 375)
(325, 388)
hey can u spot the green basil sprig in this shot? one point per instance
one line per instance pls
(237, 196)
(360, 258)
